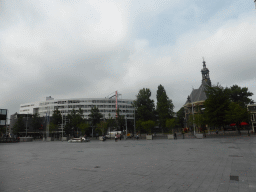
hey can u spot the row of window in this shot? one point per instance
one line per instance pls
(3, 111)
(24, 110)
(27, 105)
(82, 101)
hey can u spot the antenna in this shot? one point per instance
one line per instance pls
(203, 58)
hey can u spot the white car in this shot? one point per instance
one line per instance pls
(78, 140)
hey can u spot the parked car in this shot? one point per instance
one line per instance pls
(78, 140)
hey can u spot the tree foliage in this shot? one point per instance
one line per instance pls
(84, 127)
(216, 104)
(164, 106)
(95, 116)
(120, 121)
(145, 107)
(240, 95)
(36, 122)
(19, 126)
(102, 127)
(180, 117)
(170, 124)
(226, 105)
(148, 126)
(74, 119)
(56, 117)
(236, 114)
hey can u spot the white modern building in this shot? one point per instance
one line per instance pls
(106, 106)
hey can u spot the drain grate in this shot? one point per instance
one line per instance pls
(234, 178)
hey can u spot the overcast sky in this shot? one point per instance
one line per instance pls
(91, 48)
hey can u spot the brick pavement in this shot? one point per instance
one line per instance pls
(160, 165)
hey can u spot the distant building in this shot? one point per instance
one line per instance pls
(252, 109)
(198, 96)
(3, 119)
(106, 106)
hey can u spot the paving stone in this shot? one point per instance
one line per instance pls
(158, 165)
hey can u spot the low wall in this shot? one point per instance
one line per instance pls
(170, 136)
(149, 137)
(199, 136)
(26, 139)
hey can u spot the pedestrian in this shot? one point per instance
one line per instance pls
(137, 136)
(183, 133)
(175, 135)
(116, 138)
(120, 137)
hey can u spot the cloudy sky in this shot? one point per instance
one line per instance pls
(91, 48)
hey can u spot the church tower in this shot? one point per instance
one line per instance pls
(205, 75)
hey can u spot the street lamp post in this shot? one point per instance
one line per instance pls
(134, 124)
(62, 128)
(126, 126)
(27, 125)
(193, 113)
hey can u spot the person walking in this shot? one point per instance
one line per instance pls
(137, 136)
(120, 137)
(175, 135)
(116, 138)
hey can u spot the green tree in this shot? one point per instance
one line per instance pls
(145, 107)
(237, 114)
(53, 128)
(36, 122)
(170, 124)
(19, 126)
(74, 120)
(164, 106)
(56, 117)
(216, 104)
(180, 117)
(240, 95)
(120, 121)
(84, 127)
(102, 127)
(95, 116)
(148, 126)
(139, 127)
(111, 122)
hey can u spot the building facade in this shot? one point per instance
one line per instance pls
(3, 119)
(197, 96)
(106, 106)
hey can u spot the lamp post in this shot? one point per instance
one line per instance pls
(126, 126)
(62, 128)
(193, 112)
(27, 125)
(134, 124)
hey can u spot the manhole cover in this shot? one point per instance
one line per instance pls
(97, 167)
(235, 156)
(234, 178)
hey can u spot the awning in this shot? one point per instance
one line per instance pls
(242, 123)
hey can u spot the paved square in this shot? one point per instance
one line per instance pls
(160, 165)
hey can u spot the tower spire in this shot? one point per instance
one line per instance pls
(205, 74)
